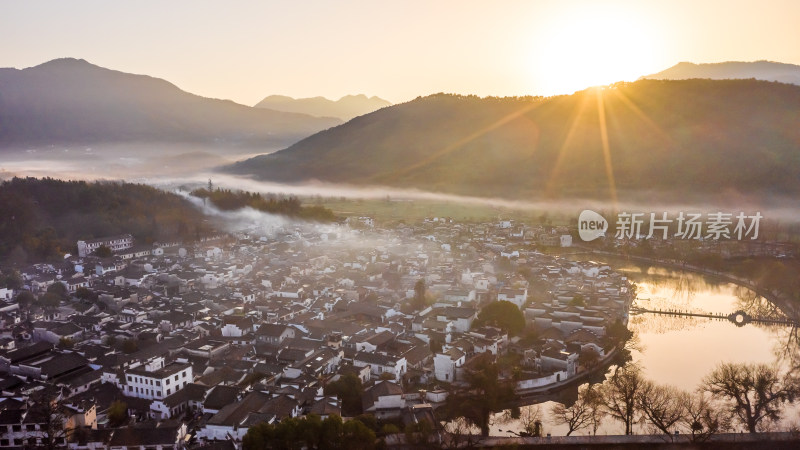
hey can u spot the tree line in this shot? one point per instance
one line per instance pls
(733, 394)
(291, 206)
(748, 395)
(44, 218)
(310, 432)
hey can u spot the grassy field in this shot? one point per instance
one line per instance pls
(416, 210)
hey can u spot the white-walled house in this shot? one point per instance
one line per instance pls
(156, 380)
(233, 420)
(274, 334)
(554, 359)
(445, 364)
(515, 296)
(459, 295)
(237, 326)
(115, 243)
(461, 318)
(380, 364)
(385, 400)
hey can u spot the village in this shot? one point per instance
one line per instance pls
(195, 343)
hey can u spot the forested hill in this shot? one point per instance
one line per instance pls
(44, 218)
(68, 101)
(291, 206)
(674, 137)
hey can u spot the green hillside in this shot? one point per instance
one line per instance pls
(44, 218)
(671, 137)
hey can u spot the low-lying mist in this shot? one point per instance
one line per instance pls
(170, 166)
(262, 224)
(128, 162)
(772, 208)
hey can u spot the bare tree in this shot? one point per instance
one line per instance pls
(755, 393)
(594, 396)
(588, 358)
(530, 417)
(485, 394)
(620, 394)
(460, 433)
(702, 419)
(580, 414)
(45, 410)
(787, 349)
(662, 406)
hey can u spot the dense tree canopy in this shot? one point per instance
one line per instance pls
(617, 333)
(485, 394)
(117, 413)
(654, 127)
(502, 314)
(58, 288)
(349, 390)
(11, 279)
(44, 218)
(311, 433)
(290, 206)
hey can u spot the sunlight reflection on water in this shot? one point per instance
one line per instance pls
(680, 351)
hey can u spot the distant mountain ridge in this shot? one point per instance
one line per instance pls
(676, 137)
(345, 108)
(760, 70)
(69, 100)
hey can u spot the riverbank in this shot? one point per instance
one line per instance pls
(790, 308)
(525, 396)
(543, 393)
(772, 441)
(726, 441)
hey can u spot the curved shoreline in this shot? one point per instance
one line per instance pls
(525, 396)
(788, 307)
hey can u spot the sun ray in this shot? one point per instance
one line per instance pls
(601, 112)
(577, 114)
(641, 115)
(396, 174)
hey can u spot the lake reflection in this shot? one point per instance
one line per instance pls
(679, 350)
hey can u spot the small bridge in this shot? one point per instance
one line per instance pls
(739, 318)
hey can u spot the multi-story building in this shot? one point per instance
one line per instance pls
(155, 381)
(115, 243)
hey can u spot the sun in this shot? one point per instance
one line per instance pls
(594, 46)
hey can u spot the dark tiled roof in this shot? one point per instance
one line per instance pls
(168, 370)
(271, 330)
(63, 364)
(381, 389)
(376, 358)
(325, 407)
(219, 396)
(190, 392)
(11, 416)
(21, 354)
(127, 437)
(234, 413)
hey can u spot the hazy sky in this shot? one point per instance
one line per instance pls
(396, 49)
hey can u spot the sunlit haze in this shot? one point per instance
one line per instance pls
(571, 222)
(592, 45)
(249, 50)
